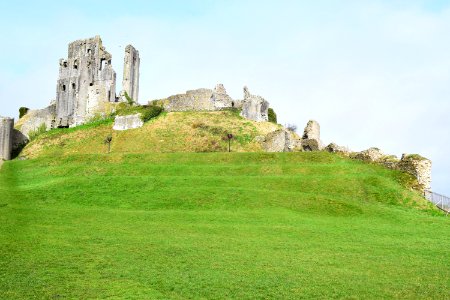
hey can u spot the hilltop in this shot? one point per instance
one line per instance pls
(169, 132)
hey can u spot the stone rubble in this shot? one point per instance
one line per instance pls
(278, 141)
(334, 148)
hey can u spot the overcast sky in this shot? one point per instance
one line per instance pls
(372, 73)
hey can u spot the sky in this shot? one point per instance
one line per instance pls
(372, 73)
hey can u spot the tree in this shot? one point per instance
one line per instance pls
(272, 116)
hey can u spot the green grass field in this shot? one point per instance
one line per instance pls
(217, 225)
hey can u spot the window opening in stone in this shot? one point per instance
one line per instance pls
(102, 62)
(75, 65)
(65, 64)
(63, 87)
(232, 104)
(73, 86)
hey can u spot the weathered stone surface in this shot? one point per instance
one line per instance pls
(389, 161)
(311, 137)
(36, 118)
(370, 155)
(6, 127)
(221, 99)
(86, 81)
(254, 107)
(199, 100)
(130, 82)
(260, 138)
(280, 140)
(334, 148)
(19, 140)
(128, 122)
(419, 167)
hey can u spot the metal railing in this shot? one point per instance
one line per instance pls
(441, 201)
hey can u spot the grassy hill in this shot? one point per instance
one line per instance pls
(170, 132)
(79, 223)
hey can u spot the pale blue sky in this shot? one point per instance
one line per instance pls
(373, 73)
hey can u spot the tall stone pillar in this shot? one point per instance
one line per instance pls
(6, 128)
(130, 83)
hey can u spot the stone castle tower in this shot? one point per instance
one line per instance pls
(130, 83)
(86, 82)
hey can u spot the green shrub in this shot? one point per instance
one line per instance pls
(272, 116)
(150, 112)
(23, 111)
(129, 99)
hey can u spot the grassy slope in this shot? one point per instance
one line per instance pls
(216, 225)
(171, 132)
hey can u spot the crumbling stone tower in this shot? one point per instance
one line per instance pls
(254, 107)
(86, 82)
(130, 82)
(6, 132)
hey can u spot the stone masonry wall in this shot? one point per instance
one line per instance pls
(130, 83)
(6, 127)
(417, 166)
(86, 81)
(254, 107)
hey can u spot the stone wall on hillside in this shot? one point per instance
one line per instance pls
(36, 118)
(417, 166)
(254, 107)
(6, 128)
(311, 137)
(199, 100)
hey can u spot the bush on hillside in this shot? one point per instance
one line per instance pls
(23, 111)
(150, 112)
(272, 116)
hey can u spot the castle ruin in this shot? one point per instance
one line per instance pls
(86, 82)
(130, 82)
(254, 107)
(86, 86)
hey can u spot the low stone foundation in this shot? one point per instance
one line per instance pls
(128, 122)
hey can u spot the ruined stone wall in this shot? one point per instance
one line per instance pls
(417, 166)
(130, 82)
(86, 81)
(200, 100)
(254, 107)
(36, 118)
(6, 127)
(311, 137)
(221, 99)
